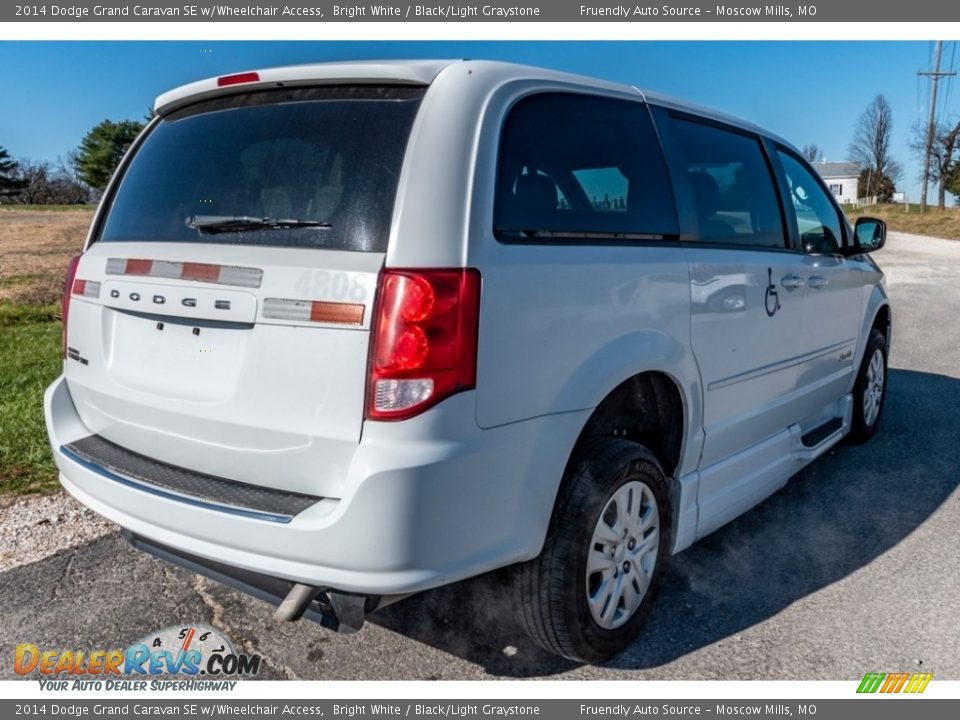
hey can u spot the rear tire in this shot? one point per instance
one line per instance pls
(590, 591)
(870, 390)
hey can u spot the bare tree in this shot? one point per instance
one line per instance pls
(870, 147)
(35, 176)
(46, 183)
(811, 153)
(73, 189)
(944, 160)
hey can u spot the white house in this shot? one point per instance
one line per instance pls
(840, 177)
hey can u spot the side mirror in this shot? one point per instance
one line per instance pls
(869, 234)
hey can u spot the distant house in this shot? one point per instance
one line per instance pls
(840, 177)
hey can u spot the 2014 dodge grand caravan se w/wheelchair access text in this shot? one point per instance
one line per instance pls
(342, 333)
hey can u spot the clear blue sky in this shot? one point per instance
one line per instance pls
(808, 92)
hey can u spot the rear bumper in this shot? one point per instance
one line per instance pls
(417, 513)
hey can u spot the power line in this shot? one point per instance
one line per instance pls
(943, 108)
(946, 100)
(934, 76)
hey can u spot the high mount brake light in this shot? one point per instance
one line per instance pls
(424, 345)
(238, 79)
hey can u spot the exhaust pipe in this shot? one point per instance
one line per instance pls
(343, 612)
(296, 602)
(338, 611)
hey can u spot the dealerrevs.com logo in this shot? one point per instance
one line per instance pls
(181, 654)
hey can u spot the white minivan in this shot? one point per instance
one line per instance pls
(345, 332)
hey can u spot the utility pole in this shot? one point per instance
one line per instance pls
(934, 76)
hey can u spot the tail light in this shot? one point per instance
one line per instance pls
(67, 292)
(424, 345)
(75, 286)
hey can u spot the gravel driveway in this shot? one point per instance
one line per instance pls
(851, 568)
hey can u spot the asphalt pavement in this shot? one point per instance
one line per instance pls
(854, 567)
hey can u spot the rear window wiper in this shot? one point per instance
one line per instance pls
(239, 223)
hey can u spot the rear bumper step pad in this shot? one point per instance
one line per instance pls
(124, 466)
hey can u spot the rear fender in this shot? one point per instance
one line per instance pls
(629, 355)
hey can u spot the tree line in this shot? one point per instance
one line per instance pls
(870, 150)
(76, 178)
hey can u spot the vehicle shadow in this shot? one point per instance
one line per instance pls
(833, 518)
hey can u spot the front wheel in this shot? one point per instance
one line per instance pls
(589, 592)
(870, 390)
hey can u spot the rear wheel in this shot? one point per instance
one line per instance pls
(870, 390)
(589, 592)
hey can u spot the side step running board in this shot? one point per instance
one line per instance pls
(817, 435)
(817, 440)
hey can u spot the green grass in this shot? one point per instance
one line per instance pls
(14, 280)
(29, 361)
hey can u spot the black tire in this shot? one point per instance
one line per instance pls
(553, 586)
(861, 429)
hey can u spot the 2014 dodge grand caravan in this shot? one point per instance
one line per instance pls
(345, 332)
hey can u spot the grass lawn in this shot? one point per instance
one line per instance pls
(35, 247)
(938, 223)
(46, 208)
(29, 361)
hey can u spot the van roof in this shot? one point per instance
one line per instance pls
(422, 72)
(405, 72)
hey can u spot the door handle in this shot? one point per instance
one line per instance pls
(791, 282)
(817, 281)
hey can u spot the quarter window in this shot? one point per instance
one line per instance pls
(731, 186)
(816, 218)
(575, 166)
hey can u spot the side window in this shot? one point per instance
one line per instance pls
(732, 188)
(817, 221)
(575, 165)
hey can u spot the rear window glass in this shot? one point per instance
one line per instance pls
(576, 165)
(317, 155)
